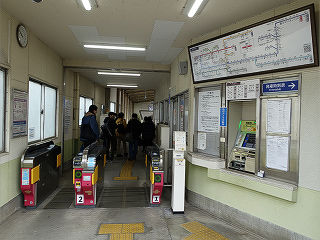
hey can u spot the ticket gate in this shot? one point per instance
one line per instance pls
(88, 175)
(154, 166)
(39, 174)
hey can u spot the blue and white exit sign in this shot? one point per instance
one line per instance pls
(276, 87)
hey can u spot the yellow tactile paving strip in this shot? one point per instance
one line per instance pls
(201, 232)
(125, 173)
(121, 231)
(122, 236)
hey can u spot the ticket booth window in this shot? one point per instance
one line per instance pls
(42, 112)
(2, 107)
(207, 131)
(84, 105)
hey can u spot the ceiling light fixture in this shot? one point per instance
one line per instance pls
(122, 86)
(194, 7)
(114, 47)
(86, 4)
(120, 74)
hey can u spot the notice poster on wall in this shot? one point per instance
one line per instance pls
(249, 89)
(67, 124)
(279, 116)
(202, 140)
(19, 113)
(278, 152)
(209, 111)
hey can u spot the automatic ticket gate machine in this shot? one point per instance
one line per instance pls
(39, 174)
(88, 175)
(243, 154)
(154, 167)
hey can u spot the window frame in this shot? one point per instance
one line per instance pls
(85, 98)
(115, 106)
(4, 142)
(42, 111)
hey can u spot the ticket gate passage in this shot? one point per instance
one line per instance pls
(88, 175)
(154, 167)
(243, 154)
(39, 172)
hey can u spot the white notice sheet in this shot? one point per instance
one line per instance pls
(209, 111)
(202, 140)
(279, 116)
(277, 152)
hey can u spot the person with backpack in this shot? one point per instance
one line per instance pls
(121, 134)
(109, 135)
(89, 131)
(134, 132)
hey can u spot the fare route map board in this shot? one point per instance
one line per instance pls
(285, 42)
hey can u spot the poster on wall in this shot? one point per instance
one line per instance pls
(279, 116)
(19, 113)
(243, 90)
(67, 124)
(278, 152)
(209, 111)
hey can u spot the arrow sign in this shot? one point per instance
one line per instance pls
(276, 87)
(292, 85)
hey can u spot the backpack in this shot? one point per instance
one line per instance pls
(120, 128)
(87, 133)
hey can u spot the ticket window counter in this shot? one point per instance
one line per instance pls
(242, 135)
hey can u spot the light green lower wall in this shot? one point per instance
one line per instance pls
(9, 180)
(302, 217)
(68, 150)
(76, 145)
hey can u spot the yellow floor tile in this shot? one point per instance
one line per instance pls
(122, 236)
(133, 228)
(194, 227)
(110, 228)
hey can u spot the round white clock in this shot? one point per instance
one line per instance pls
(22, 35)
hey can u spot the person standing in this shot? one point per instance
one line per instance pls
(148, 132)
(89, 131)
(121, 134)
(109, 134)
(134, 131)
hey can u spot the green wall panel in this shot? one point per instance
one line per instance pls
(302, 216)
(9, 180)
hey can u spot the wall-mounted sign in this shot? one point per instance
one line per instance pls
(281, 43)
(223, 117)
(276, 87)
(242, 90)
(19, 113)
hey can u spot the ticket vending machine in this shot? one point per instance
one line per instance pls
(154, 166)
(88, 175)
(39, 173)
(243, 153)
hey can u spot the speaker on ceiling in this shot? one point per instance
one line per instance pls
(183, 68)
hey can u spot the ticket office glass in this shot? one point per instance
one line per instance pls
(246, 141)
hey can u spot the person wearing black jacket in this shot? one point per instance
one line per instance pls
(148, 132)
(134, 132)
(109, 134)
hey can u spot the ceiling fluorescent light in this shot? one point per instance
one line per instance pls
(120, 74)
(122, 86)
(194, 8)
(114, 47)
(86, 4)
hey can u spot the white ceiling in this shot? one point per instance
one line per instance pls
(158, 25)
